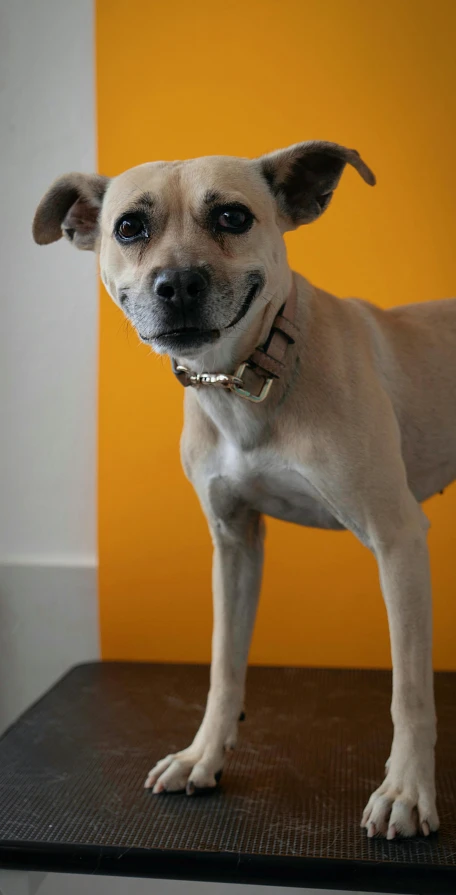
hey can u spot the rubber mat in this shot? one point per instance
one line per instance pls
(287, 811)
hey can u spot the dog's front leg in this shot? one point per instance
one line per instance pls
(237, 566)
(405, 803)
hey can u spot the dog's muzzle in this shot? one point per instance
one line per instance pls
(266, 362)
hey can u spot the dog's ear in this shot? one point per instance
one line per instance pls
(304, 177)
(71, 208)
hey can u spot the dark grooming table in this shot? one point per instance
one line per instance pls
(287, 811)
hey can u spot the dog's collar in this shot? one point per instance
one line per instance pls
(266, 363)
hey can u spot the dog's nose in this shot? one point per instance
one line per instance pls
(184, 285)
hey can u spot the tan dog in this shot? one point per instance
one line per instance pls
(357, 427)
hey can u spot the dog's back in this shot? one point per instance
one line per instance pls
(415, 355)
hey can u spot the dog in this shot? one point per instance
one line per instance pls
(298, 405)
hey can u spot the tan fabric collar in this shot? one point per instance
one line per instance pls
(267, 362)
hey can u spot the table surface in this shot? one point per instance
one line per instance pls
(287, 811)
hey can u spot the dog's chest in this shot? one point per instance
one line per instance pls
(264, 482)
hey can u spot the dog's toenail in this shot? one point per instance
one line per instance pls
(425, 828)
(218, 776)
(391, 834)
(242, 716)
(193, 790)
(158, 789)
(371, 831)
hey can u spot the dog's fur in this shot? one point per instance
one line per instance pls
(357, 432)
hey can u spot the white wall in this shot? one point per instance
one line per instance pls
(48, 354)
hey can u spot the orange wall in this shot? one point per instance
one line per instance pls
(178, 79)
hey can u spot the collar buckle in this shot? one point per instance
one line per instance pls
(244, 393)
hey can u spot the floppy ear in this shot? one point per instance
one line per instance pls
(71, 208)
(303, 177)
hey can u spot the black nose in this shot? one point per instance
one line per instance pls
(182, 285)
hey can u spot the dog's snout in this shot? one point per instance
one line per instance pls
(183, 286)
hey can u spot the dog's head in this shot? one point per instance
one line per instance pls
(192, 250)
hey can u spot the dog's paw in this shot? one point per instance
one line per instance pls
(404, 805)
(189, 771)
(393, 812)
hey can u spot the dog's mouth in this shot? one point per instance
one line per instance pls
(186, 338)
(251, 294)
(193, 338)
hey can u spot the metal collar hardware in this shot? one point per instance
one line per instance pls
(225, 381)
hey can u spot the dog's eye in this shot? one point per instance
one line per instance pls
(233, 220)
(129, 227)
